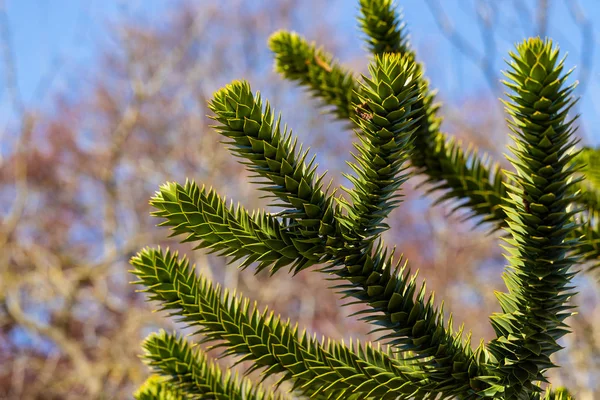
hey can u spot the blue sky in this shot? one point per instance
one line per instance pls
(46, 33)
(51, 39)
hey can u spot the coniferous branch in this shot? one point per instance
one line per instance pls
(377, 280)
(538, 276)
(558, 394)
(476, 182)
(269, 150)
(271, 154)
(589, 246)
(321, 371)
(402, 309)
(387, 122)
(588, 162)
(393, 109)
(158, 388)
(192, 373)
(205, 218)
(384, 29)
(314, 68)
(387, 117)
(418, 326)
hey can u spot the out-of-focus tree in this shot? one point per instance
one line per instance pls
(499, 24)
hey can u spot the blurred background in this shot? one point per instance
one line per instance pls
(103, 101)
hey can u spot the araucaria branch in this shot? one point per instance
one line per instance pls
(394, 115)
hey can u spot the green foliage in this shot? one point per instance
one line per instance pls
(558, 394)
(534, 309)
(207, 220)
(386, 118)
(193, 374)
(384, 31)
(371, 275)
(260, 337)
(465, 176)
(158, 388)
(588, 160)
(394, 113)
(271, 154)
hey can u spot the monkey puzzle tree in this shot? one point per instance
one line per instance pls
(394, 113)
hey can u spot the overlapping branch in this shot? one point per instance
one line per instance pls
(270, 151)
(321, 371)
(395, 113)
(193, 374)
(204, 217)
(475, 182)
(347, 233)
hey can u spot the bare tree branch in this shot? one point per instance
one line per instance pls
(462, 44)
(10, 72)
(524, 15)
(543, 8)
(69, 347)
(587, 43)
